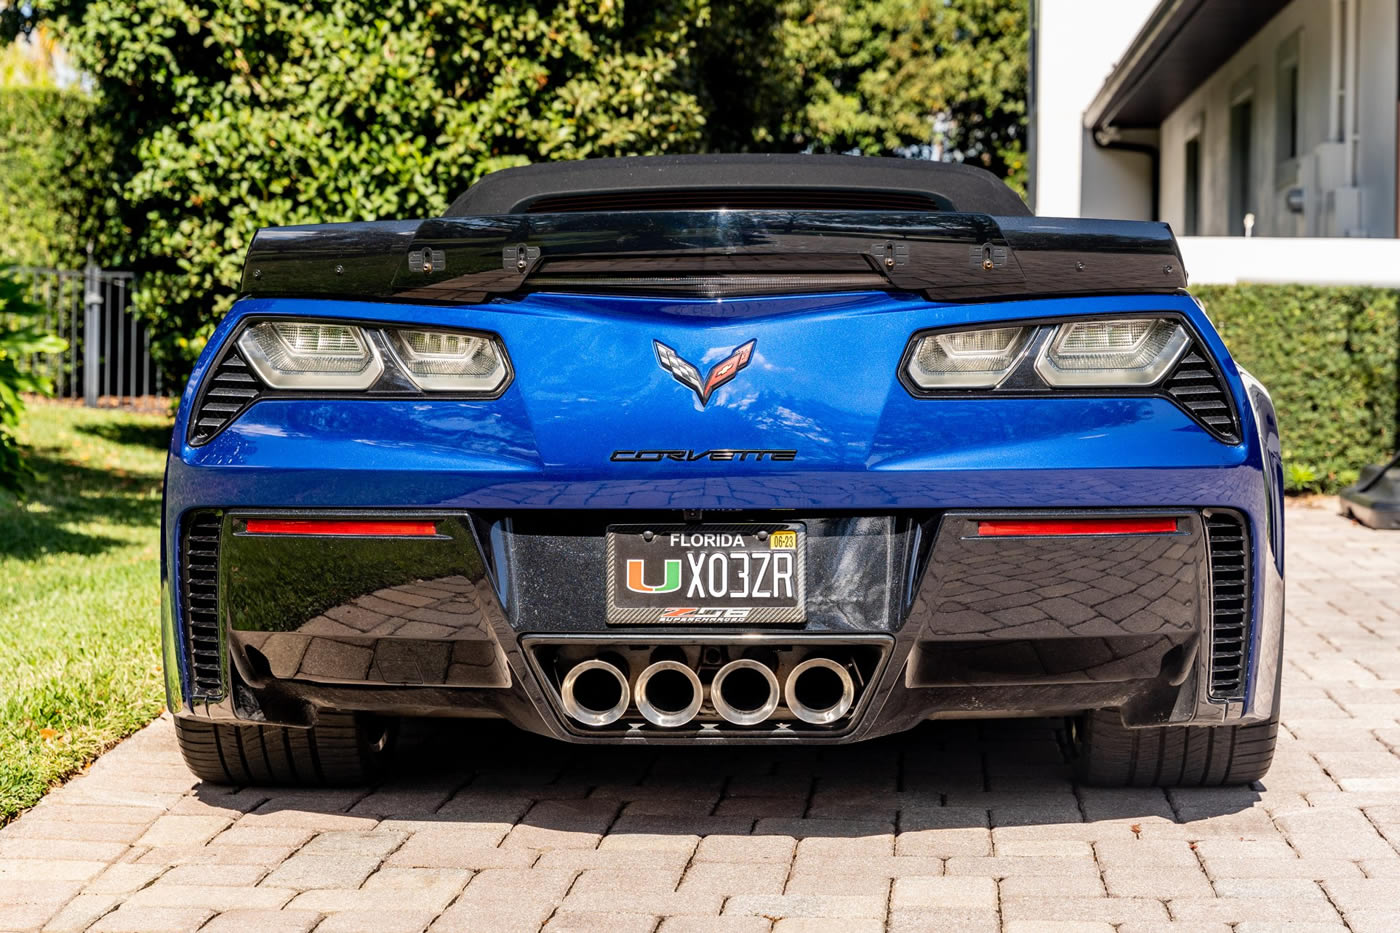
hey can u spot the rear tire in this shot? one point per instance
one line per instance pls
(1112, 755)
(341, 749)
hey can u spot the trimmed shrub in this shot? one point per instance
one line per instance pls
(1331, 359)
(44, 176)
(20, 336)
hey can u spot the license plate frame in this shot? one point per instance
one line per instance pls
(628, 543)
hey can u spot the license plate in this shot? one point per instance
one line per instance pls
(723, 574)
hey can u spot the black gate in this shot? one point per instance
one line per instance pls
(108, 362)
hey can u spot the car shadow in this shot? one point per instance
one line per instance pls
(935, 790)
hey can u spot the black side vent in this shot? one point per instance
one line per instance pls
(1229, 604)
(199, 602)
(232, 388)
(1198, 389)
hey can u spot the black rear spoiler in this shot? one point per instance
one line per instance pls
(943, 256)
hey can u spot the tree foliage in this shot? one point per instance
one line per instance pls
(226, 117)
(928, 78)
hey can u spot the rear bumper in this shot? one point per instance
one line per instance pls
(936, 621)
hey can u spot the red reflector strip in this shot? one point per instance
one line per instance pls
(302, 526)
(1077, 526)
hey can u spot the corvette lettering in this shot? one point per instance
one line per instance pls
(690, 456)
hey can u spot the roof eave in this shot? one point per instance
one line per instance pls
(1156, 34)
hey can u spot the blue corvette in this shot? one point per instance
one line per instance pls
(716, 450)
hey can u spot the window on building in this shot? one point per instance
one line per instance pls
(1289, 112)
(1241, 164)
(1286, 117)
(1191, 225)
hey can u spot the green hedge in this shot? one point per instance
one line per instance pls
(44, 151)
(1331, 359)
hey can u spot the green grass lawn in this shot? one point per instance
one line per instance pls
(79, 595)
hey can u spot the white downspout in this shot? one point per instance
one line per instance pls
(1334, 100)
(1353, 131)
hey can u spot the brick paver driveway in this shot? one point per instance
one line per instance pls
(964, 827)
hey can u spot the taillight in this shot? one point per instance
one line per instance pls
(967, 359)
(1112, 352)
(450, 361)
(311, 355)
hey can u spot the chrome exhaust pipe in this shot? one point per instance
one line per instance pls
(744, 692)
(669, 694)
(819, 691)
(595, 692)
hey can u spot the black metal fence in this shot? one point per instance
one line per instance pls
(108, 361)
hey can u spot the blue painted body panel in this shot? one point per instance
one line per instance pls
(823, 382)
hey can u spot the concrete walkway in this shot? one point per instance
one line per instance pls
(968, 827)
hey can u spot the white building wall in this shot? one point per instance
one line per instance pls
(1078, 43)
(1235, 260)
(1380, 110)
(1116, 183)
(1254, 70)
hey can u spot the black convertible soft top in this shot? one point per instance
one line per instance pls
(739, 182)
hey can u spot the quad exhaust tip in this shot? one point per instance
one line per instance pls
(819, 691)
(595, 692)
(745, 692)
(669, 694)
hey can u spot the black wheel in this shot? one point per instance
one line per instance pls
(341, 749)
(1112, 755)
